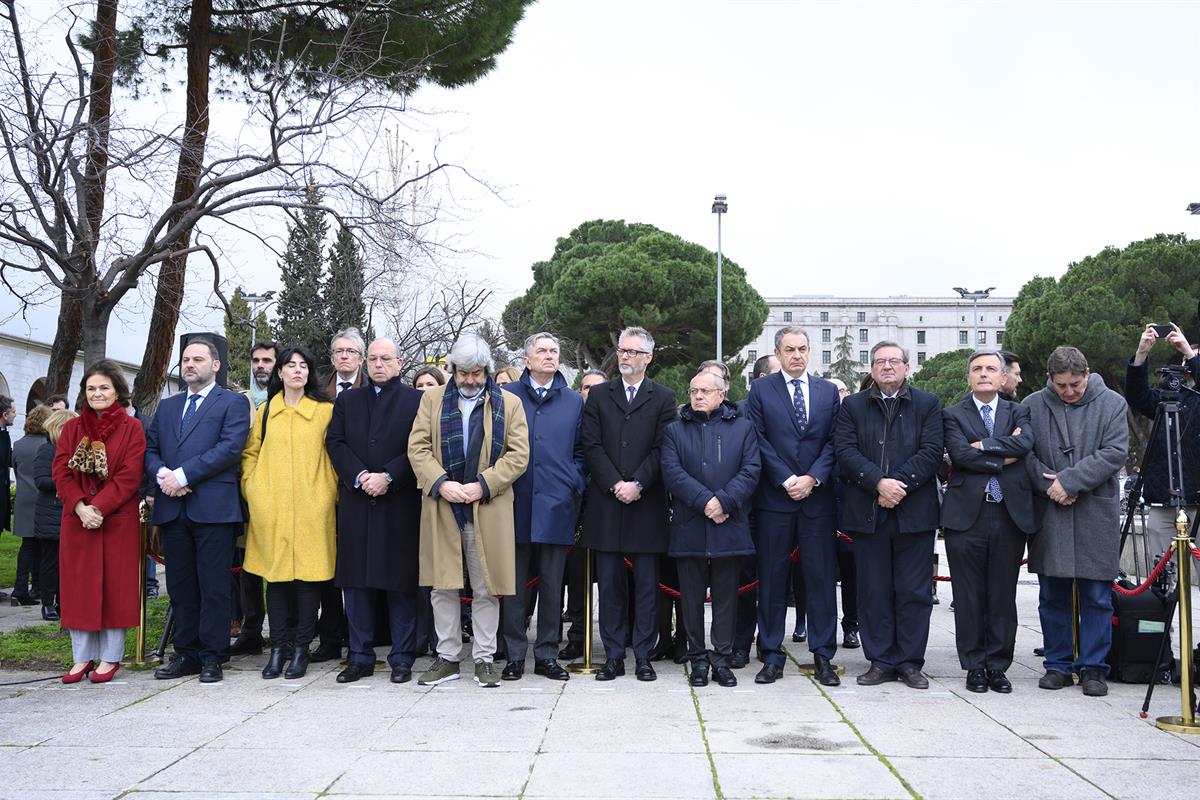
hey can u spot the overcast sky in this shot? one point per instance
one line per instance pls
(866, 148)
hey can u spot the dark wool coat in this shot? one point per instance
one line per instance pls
(47, 517)
(621, 442)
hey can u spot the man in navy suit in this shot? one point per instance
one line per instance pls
(193, 451)
(794, 506)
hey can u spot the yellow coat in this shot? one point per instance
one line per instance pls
(290, 489)
(441, 542)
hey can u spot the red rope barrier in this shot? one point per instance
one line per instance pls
(1151, 578)
(1195, 552)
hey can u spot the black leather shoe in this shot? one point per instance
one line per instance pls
(663, 650)
(49, 613)
(850, 640)
(1092, 682)
(513, 671)
(211, 672)
(611, 669)
(401, 673)
(571, 651)
(724, 676)
(22, 600)
(913, 678)
(1040, 652)
(299, 665)
(699, 674)
(1053, 679)
(178, 667)
(999, 681)
(247, 644)
(280, 655)
(824, 672)
(875, 676)
(324, 652)
(800, 634)
(977, 681)
(354, 671)
(644, 670)
(768, 674)
(739, 659)
(549, 668)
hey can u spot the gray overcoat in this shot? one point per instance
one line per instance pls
(1086, 445)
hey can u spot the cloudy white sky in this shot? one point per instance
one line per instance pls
(867, 148)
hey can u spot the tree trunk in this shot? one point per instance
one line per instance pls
(94, 329)
(160, 343)
(67, 339)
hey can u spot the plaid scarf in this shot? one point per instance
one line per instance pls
(453, 459)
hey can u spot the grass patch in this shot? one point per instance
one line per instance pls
(9, 545)
(48, 647)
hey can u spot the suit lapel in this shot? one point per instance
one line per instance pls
(207, 403)
(1003, 425)
(643, 395)
(973, 418)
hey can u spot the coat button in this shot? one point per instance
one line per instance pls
(372, 442)
(624, 444)
(372, 501)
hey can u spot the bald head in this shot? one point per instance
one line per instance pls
(384, 361)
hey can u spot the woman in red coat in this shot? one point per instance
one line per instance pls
(97, 471)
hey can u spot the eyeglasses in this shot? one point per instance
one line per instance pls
(887, 362)
(622, 351)
(346, 351)
(701, 392)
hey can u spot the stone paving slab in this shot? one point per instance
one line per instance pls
(995, 778)
(806, 776)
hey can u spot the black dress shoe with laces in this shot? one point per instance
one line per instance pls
(571, 651)
(875, 676)
(800, 634)
(977, 680)
(325, 652)
(178, 667)
(644, 670)
(739, 659)
(401, 673)
(998, 681)
(246, 644)
(513, 671)
(768, 674)
(211, 672)
(699, 674)
(611, 669)
(850, 640)
(913, 678)
(724, 676)
(355, 671)
(549, 668)
(824, 672)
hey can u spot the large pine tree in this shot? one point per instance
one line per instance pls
(238, 335)
(344, 288)
(301, 319)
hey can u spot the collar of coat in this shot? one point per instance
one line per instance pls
(1095, 388)
(900, 393)
(558, 382)
(307, 407)
(725, 411)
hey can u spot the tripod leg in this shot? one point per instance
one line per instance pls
(1163, 646)
(168, 629)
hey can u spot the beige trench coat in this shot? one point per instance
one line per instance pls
(441, 544)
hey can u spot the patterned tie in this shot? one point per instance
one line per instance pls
(189, 412)
(345, 385)
(541, 392)
(798, 402)
(993, 485)
(632, 392)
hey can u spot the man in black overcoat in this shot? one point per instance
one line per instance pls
(626, 504)
(379, 512)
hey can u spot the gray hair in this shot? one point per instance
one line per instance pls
(532, 340)
(719, 366)
(985, 353)
(470, 353)
(722, 383)
(788, 330)
(880, 345)
(647, 339)
(1066, 359)
(353, 335)
(587, 372)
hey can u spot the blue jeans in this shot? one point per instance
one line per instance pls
(1095, 623)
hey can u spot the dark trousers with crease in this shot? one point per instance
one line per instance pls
(747, 605)
(775, 536)
(199, 557)
(894, 602)
(331, 628)
(576, 593)
(611, 581)
(28, 576)
(696, 574)
(292, 606)
(361, 621)
(551, 561)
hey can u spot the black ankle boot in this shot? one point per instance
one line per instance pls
(279, 657)
(299, 664)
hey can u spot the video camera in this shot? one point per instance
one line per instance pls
(1172, 378)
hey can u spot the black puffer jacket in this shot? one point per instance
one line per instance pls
(47, 516)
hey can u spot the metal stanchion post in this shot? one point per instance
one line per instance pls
(585, 667)
(1186, 723)
(139, 651)
(1075, 620)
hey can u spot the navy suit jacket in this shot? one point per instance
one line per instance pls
(210, 452)
(785, 451)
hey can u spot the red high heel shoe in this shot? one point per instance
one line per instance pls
(76, 677)
(105, 677)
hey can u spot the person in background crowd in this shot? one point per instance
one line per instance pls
(146, 493)
(626, 514)
(987, 511)
(291, 494)
(8, 415)
(710, 466)
(847, 574)
(97, 471)
(890, 509)
(1081, 441)
(428, 378)
(507, 375)
(193, 450)
(24, 455)
(1012, 376)
(48, 515)
(379, 513)
(57, 402)
(468, 445)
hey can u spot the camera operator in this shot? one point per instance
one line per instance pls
(1145, 399)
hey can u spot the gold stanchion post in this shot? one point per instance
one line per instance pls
(585, 667)
(139, 652)
(1185, 723)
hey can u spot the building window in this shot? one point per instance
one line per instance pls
(999, 338)
(862, 316)
(964, 319)
(826, 335)
(920, 337)
(787, 316)
(864, 357)
(863, 335)
(982, 337)
(824, 316)
(921, 318)
(920, 357)
(826, 357)
(752, 355)
(964, 338)
(1000, 318)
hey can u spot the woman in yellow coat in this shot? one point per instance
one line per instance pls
(291, 491)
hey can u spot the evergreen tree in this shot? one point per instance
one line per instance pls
(846, 368)
(237, 334)
(344, 288)
(301, 319)
(262, 328)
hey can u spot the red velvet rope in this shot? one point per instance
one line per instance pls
(1151, 578)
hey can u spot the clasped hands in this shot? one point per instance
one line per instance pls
(89, 516)
(374, 483)
(456, 492)
(714, 511)
(170, 484)
(891, 492)
(627, 491)
(800, 487)
(1056, 492)
(1008, 459)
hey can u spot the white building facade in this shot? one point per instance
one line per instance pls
(925, 326)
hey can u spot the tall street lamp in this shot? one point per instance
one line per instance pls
(974, 297)
(255, 300)
(719, 207)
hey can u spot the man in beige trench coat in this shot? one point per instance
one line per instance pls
(468, 445)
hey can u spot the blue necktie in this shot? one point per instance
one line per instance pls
(798, 402)
(632, 393)
(993, 485)
(541, 390)
(190, 412)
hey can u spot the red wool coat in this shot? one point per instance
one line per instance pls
(98, 569)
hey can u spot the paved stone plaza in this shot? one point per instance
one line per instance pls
(249, 738)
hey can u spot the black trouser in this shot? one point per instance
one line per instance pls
(292, 607)
(985, 563)
(551, 562)
(361, 618)
(775, 536)
(696, 574)
(248, 598)
(28, 558)
(747, 604)
(848, 577)
(611, 580)
(576, 593)
(798, 594)
(894, 601)
(48, 571)
(332, 627)
(199, 557)
(424, 615)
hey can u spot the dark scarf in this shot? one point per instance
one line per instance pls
(91, 456)
(453, 459)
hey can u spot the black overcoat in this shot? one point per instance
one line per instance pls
(377, 537)
(621, 442)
